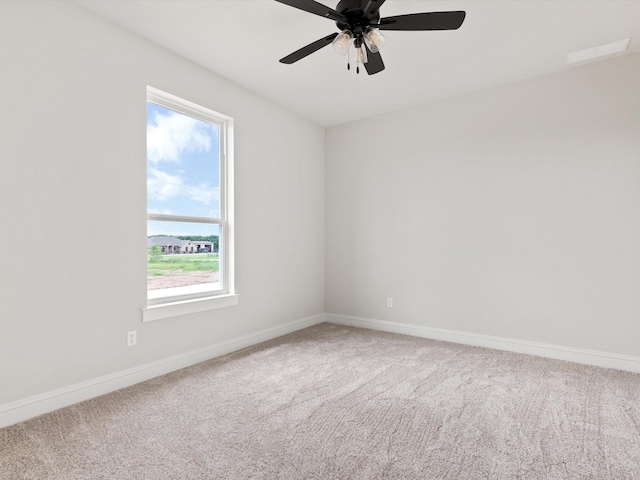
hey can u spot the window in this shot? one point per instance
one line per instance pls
(189, 208)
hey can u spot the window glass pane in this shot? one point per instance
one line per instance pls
(183, 164)
(181, 254)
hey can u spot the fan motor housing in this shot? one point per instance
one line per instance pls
(352, 9)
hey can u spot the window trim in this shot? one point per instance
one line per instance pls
(198, 299)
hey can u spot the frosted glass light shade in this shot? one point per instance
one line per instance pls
(342, 42)
(374, 39)
(361, 54)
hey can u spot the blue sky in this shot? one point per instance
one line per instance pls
(182, 170)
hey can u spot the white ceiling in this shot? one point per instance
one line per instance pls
(500, 42)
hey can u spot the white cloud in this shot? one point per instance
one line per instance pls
(172, 135)
(162, 186)
(164, 211)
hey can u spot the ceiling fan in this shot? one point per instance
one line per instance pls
(359, 23)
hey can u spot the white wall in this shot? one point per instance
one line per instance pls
(513, 212)
(72, 202)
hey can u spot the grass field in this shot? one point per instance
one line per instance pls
(172, 264)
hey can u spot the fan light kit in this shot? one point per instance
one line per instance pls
(359, 23)
(371, 40)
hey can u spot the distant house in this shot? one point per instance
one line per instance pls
(176, 245)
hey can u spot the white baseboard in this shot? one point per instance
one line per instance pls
(18, 411)
(30, 407)
(578, 355)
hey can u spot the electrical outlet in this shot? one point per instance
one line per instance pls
(389, 302)
(131, 338)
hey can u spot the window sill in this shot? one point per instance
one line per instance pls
(185, 307)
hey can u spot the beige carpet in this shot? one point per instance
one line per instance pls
(333, 402)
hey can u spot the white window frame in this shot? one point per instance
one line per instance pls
(172, 302)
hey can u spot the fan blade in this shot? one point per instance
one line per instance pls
(375, 63)
(308, 50)
(423, 21)
(317, 8)
(369, 6)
